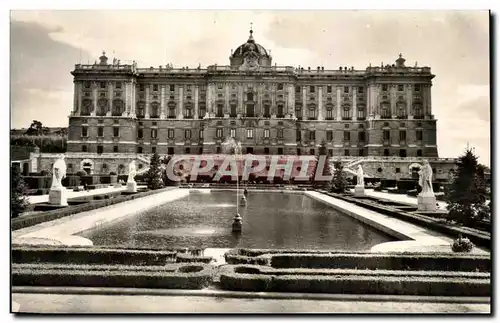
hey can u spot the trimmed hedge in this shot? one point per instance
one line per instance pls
(198, 278)
(38, 182)
(27, 254)
(187, 258)
(30, 220)
(399, 284)
(384, 261)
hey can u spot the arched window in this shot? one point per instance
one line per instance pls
(346, 113)
(385, 111)
(117, 108)
(140, 109)
(155, 110)
(86, 107)
(249, 96)
(417, 111)
(102, 107)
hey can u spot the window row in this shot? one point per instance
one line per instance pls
(401, 87)
(329, 89)
(102, 84)
(402, 135)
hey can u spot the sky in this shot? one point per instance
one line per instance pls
(45, 46)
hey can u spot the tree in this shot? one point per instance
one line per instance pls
(466, 195)
(322, 151)
(166, 180)
(18, 200)
(154, 175)
(35, 129)
(339, 181)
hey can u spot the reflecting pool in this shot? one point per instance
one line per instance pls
(270, 220)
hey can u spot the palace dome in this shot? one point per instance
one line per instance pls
(250, 47)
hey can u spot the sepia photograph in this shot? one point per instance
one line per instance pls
(252, 161)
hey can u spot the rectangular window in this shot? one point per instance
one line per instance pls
(116, 132)
(384, 87)
(87, 84)
(361, 152)
(311, 152)
(118, 85)
(266, 150)
(312, 135)
(280, 133)
(115, 149)
(103, 85)
(329, 114)
(267, 111)
(172, 87)
(347, 136)
(402, 135)
(218, 133)
(100, 131)
(188, 88)
(312, 88)
(219, 86)
(141, 87)
(280, 86)
(266, 133)
(346, 89)
(361, 136)
(140, 134)
(346, 113)
(170, 133)
(361, 90)
(297, 89)
(170, 150)
(100, 149)
(84, 148)
(154, 133)
(401, 87)
(232, 133)
(280, 151)
(419, 135)
(153, 150)
(417, 88)
(249, 133)
(201, 134)
(330, 152)
(419, 152)
(84, 131)
(155, 87)
(387, 135)
(298, 135)
(346, 152)
(311, 114)
(329, 89)
(187, 133)
(329, 135)
(280, 113)
(187, 150)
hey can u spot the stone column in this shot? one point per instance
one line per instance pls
(211, 99)
(95, 98)
(427, 101)
(226, 101)
(110, 98)
(196, 99)
(76, 108)
(291, 100)
(126, 95)
(132, 95)
(393, 100)
(304, 102)
(274, 109)
(259, 110)
(320, 102)
(376, 100)
(409, 101)
(181, 103)
(146, 108)
(339, 104)
(241, 110)
(354, 104)
(162, 100)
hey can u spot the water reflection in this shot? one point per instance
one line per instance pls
(270, 220)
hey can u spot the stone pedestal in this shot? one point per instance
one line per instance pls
(359, 190)
(243, 201)
(131, 187)
(426, 202)
(237, 224)
(57, 196)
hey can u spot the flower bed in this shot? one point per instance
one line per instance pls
(245, 278)
(187, 258)
(182, 277)
(90, 255)
(30, 220)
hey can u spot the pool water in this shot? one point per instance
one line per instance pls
(270, 220)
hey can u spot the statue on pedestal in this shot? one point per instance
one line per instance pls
(57, 193)
(425, 179)
(58, 172)
(360, 176)
(131, 172)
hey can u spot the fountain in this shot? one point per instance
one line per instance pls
(233, 147)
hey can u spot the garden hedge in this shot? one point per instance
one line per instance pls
(187, 258)
(251, 279)
(89, 255)
(451, 262)
(30, 220)
(184, 277)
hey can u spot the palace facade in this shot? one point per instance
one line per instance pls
(124, 110)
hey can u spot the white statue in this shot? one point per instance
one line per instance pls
(131, 172)
(58, 172)
(360, 176)
(425, 179)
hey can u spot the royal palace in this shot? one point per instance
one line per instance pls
(377, 115)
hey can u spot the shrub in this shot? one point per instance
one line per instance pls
(18, 200)
(81, 173)
(462, 245)
(112, 173)
(154, 175)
